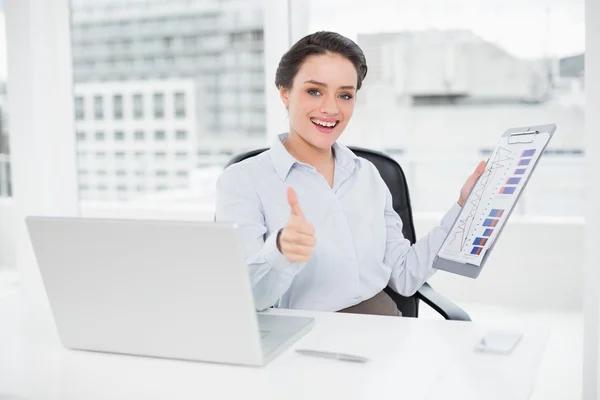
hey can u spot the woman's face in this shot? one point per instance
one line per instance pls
(321, 100)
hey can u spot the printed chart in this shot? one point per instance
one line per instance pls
(494, 195)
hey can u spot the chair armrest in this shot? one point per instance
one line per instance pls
(442, 305)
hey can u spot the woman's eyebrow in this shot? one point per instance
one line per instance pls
(317, 83)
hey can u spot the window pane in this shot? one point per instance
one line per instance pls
(181, 135)
(159, 105)
(118, 106)
(446, 79)
(179, 102)
(5, 171)
(98, 107)
(139, 135)
(138, 106)
(150, 77)
(79, 108)
(159, 135)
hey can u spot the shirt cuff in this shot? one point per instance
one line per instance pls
(276, 259)
(450, 217)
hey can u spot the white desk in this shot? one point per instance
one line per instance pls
(410, 359)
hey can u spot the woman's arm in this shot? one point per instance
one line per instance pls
(412, 265)
(271, 274)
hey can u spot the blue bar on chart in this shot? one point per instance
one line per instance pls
(513, 181)
(490, 222)
(476, 251)
(520, 171)
(524, 161)
(488, 232)
(495, 213)
(508, 190)
(528, 153)
(480, 241)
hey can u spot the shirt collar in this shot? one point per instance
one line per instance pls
(283, 161)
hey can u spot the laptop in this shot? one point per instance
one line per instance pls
(168, 289)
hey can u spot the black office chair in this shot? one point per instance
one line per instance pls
(394, 177)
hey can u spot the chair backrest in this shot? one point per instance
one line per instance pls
(394, 177)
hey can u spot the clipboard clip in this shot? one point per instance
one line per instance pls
(522, 137)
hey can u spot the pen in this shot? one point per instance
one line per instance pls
(332, 355)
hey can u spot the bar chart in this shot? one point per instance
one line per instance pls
(494, 195)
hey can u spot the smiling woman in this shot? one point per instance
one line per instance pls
(317, 222)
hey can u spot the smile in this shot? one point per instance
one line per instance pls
(324, 124)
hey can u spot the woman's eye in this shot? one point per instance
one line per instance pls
(313, 92)
(346, 96)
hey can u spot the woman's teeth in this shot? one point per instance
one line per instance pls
(323, 123)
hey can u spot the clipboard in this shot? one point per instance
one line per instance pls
(479, 225)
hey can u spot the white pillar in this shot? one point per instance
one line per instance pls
(591, 372)
(41, 126)
(285, 23)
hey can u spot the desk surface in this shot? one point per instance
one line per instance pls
(410, 359)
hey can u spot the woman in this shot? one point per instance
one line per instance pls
(335, 242)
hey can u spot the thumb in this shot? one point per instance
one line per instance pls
(293, 202)
(480, 169)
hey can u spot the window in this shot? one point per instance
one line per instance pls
(101, 172)
(83, 187)
(121, 172)
(79, 108)
(81, 136)
(140, 188)
(138, 106)
(161, 188)
(181, 135)
(179, 104)
(100, 154)
(161, 172)
(83, 172)
(140, 172)
(182, 173)
(136, 81)
(118, 106)
(98, 107)
(102, 188)
(439, 72)
(121, 188)
(99, 136)
(159, 105)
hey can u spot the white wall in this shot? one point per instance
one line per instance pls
(536, 264)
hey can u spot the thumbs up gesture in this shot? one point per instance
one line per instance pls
(297, 239)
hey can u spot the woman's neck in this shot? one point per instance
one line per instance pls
(306, 153)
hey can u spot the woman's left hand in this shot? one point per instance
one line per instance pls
(470, 183)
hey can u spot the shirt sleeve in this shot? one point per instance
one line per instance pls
(412, 264)
(271, 274)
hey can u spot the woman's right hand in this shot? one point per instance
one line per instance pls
(297, 239)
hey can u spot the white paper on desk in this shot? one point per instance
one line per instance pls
(495, 193)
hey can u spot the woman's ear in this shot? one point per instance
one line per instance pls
(284, 94)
